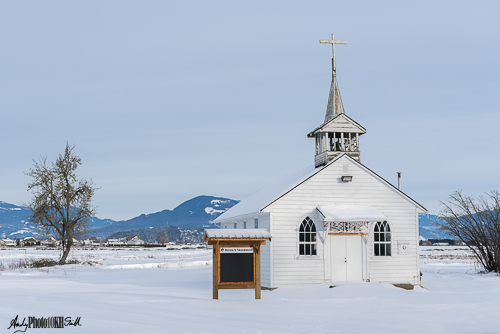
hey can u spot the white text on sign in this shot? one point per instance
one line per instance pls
(236, 250)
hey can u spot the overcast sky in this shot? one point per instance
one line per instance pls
(167, 100)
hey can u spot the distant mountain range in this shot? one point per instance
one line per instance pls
(14, 221)
(194, 213)
(427, 228)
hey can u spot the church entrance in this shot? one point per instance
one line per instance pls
(346, 258)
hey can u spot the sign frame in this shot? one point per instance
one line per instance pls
(219, 243)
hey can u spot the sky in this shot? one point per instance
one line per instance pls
(165, 101)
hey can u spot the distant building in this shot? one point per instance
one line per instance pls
(6, 242)
(92, 241)
(134, 241)
(29, 241)
(116, 242)
(49, 242)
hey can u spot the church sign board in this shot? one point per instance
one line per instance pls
(236, 258)
(236, 265)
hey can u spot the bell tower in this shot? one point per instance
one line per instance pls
(338, 133)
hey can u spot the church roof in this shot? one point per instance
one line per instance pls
(340, 123)
(279, 188)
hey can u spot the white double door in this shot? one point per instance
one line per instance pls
(346, 258)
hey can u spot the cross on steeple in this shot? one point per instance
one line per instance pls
(334, 106)
(333, 42)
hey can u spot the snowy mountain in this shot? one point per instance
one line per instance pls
(194, 213)
(14, 222)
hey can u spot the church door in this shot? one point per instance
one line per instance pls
(346, 258)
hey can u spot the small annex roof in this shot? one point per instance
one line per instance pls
(340, 123)
(237, 233)
(350, 213)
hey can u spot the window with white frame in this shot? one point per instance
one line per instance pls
(244, 224)
(307, 237)
(256, 222)
(382, 239)
(235, 225)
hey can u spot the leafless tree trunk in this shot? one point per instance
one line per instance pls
(476, 222)
(163, 237)
(61, 202)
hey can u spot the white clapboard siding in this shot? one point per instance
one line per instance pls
(265, 252)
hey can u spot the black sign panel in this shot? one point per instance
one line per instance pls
(236, 267)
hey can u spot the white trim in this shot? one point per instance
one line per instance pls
(334, 120)
(417, 245)
(271, 253)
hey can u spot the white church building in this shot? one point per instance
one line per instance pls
(336, 220)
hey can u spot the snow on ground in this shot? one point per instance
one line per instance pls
(170, 291)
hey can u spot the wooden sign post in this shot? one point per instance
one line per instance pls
(236, 258)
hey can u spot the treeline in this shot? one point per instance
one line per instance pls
(174, 234)
(451, 242)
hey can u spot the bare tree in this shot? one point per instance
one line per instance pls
(476, 222)
(163, 237)
(61, 203)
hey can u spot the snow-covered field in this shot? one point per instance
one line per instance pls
(170, 291)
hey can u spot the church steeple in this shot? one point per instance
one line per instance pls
(334, 106)
(339, 133)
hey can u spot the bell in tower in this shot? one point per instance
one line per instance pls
(339, 133)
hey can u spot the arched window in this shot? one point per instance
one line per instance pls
(382, 239)
(307, 237)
